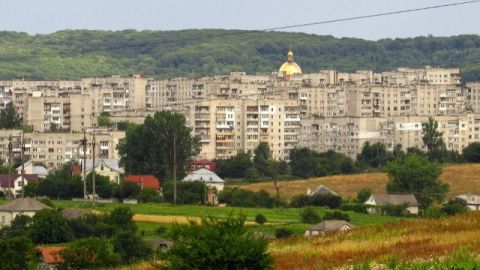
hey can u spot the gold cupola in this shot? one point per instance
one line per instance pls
(290, 68)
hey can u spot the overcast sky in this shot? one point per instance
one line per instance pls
(46, 16)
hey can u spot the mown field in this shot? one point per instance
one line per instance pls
(150, 216)
(462, 178)
(408, 242)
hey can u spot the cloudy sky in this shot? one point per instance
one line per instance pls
(46, 16)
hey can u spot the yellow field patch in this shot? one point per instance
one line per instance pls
(164, 219)
(462, 178)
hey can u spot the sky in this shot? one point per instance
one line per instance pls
(47, 16)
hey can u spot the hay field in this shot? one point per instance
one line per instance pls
(461, 178)
(404, 241)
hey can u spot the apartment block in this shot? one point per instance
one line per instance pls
(225, 127)
(54, 149)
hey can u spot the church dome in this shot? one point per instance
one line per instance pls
(290, 68)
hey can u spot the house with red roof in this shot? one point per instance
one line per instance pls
(50, 257)
(203, 163)
(14, 183)
(144, 181)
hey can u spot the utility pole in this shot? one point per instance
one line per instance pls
(10, 148)
(174, 169)
(23, 166)
(84, 167)
(93, 167)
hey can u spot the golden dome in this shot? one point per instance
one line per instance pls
(290, 68)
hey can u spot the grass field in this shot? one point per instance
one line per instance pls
(462, 178)
(404, 241)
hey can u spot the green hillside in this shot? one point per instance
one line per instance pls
(81, 53)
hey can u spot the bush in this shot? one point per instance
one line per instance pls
(300, 201)
(260, 219)
(329, 200)
(363, 195)
(454, 206)
(218, 244)
(252, 175)
(283, 233)
(148, 195)
(336, 215)
(246, 198)
(432, 212)
(309, 216)
(395, 210)
(355, 207)
(131, 247)
(89, 253)
(49, 226)
(17, 253)
(187, 192)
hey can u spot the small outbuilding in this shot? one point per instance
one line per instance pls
(210, 178)
(376, 200)
(472, 201)
(50, 257)
(329, 226)
(20, 206)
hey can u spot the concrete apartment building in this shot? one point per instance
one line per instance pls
(225, 127)
(54, 149)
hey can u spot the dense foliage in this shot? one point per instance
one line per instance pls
(148, 148)
(414, 174)
(246, 198)
(80, 53)
(307, 163)
(218, 244)
(328, 200)
(187, 192)
(17, 253)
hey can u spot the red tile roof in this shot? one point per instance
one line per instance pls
(145, 181)
(50, 255)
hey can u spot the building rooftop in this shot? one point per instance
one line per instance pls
(321, 189)
(113, 164)
(23, 205)
(330, 226)
(50, 255)
(203, 175)
(144, 181)
(394, 199)
(6, 179)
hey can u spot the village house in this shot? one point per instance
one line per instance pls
(19, 206)
(378, 200)
(472, 201)
(30, 168)
(50, 257)
(213, 182)
(322, 190)
(106, 167)
(328, 226)
(13, 184)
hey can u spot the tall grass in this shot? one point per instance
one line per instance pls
(392, 244)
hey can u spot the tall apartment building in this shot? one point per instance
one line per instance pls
(70, 113)
(225, 127)
(54, 149)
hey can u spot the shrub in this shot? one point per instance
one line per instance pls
(336, 215)
(260, 219)
(329, 200)
(363, 195)
(147, 195)
(252, 175)
(395, 210)
(49, 226)
(131, 247)
(283, 233)
(218, 244)
(309, 216)
(355, 207)
(89, 253)
(300, 201)
(246, 198)
(16, 253)
(454, 206)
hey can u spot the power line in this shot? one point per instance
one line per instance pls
(371, 15)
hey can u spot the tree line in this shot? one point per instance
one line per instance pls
(84, 53)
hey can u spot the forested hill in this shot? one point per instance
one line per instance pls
(81, 53)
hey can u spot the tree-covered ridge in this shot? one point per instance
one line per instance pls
(82, 53)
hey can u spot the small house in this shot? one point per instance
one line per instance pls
(19, 206)
(50, 257)
(329, 226)
(106, 167)
(144, 181)
(472, 201)
(376, 200)
(322, 190)
(210, 178)
(203, 163)
(13, 184)
(30, 168)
